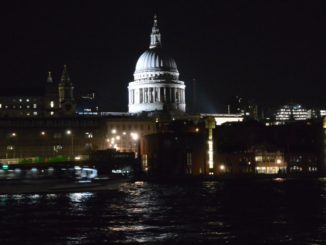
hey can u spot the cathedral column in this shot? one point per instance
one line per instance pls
(132, 96)
(142, 95)
(146, 95)
(183, 96)
(159, 94)
(155, 94)
(151, 100)
(164, 92)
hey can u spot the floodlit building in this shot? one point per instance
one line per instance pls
(156, 85)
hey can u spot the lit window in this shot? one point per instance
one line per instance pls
(34, 106)
(0, 106)
(35, 113)
(27, 100)
(51, 104)
(52, 113)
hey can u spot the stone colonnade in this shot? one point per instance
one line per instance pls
(157, 94)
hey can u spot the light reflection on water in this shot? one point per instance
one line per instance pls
(80, 196)
(241, 212)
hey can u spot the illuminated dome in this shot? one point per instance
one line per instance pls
(155, 60)
(156, 85)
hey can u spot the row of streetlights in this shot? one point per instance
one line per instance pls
(43, 133)
(114, 139)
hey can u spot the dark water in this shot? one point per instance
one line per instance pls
(229, 212)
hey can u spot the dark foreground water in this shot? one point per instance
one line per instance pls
(228, 212)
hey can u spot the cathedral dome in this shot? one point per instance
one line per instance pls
(156, 86)
(154, 60)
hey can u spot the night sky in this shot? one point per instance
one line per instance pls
(269, 51)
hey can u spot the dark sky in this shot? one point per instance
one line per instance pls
(270, 51)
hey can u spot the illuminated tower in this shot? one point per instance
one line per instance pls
(51, 102)
(210, 125)
(66, 94)
(323, 161)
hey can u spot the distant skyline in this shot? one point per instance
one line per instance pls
(269, 51)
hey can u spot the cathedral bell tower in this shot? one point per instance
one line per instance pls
(67, 103)
(51, 97)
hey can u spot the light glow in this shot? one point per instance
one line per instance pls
(210, 154)
(134, 136)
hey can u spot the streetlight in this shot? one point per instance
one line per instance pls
(43, 143)
(13, 147)
(135, 137)
(69, 132)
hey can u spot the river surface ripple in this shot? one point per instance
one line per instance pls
(213, 212)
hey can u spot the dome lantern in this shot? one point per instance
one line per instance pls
(155, 35)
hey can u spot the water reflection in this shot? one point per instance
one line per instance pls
(235, 212)
(279, 179)
(80, 196)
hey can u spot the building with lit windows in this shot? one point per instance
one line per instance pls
(87, 105)
(270, 162)
(291, 112)
(57, 99)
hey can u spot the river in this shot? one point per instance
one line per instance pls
(277, 211)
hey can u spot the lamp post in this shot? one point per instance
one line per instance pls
(14, 146)
(69, 133)
(135, 137)
(43, 143)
